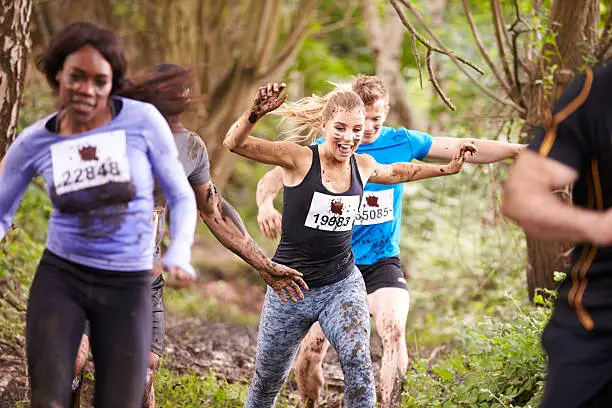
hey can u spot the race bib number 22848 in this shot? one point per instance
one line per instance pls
(332, 213)
(90, 161)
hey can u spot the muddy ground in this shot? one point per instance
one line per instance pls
(192, 345)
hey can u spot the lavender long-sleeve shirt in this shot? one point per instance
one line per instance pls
(101, 185)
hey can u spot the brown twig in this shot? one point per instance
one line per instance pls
(424, 41)
(483, 51)
(451, 55)
(434, 82)
(498, 24)
(418, 60)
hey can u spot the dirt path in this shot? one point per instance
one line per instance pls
(192, 345)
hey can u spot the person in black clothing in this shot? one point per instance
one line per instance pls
(576, 148)
(322, 195)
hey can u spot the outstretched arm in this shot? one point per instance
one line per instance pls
(489, 151)
(227, 226)
(14, 180)
(529, 199)
(237, 139)
(402, 172)
(268, 218)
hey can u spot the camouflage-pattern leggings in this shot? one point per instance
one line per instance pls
(342, 310)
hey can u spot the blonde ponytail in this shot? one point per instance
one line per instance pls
(309, 114)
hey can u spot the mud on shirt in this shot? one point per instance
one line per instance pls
(100, 183)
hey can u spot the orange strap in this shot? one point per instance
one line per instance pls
(551, 133)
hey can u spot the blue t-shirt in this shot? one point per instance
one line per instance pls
(376, 234)
(100, 183)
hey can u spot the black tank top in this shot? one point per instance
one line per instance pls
(317, 226)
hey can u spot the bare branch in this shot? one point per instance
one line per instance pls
(498, 24)
(452, 56)
(434, 82)
(423, 40)
(483, 51)
(418, 59)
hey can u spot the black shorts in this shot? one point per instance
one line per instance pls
(579, 367)
(158, 315)
(385, 273)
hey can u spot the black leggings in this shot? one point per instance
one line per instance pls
(118, 305)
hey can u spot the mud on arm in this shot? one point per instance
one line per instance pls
(226, 225)
(403, 172)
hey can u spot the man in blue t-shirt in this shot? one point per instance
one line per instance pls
(376, 237)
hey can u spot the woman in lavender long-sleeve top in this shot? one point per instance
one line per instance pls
(98, 155)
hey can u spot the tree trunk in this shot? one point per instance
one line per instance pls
(575, 23)
(14, 42)
(386, 36)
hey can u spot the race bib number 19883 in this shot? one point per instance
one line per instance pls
(90, 161)
(332, 213)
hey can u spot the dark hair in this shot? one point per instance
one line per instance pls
(74, 37)
(164, 90)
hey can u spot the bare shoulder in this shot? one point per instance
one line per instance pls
(302, 156)
(365, 161)
(366, 165)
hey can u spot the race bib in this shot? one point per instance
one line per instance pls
(332, 213)
(376, 207)
(90, 161)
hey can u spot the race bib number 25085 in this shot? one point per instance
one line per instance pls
(332, 213)
(376, 207)
(90, 161)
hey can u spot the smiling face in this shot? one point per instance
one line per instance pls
(375, 115)
(344, 132)
(85, 83)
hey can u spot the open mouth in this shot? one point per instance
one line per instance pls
(345, 149)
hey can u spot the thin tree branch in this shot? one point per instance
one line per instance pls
(440, 49)
(434, 82)
(498, 24)
(452, 56)
(418, 59)
(483, 51)
(515, 34)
